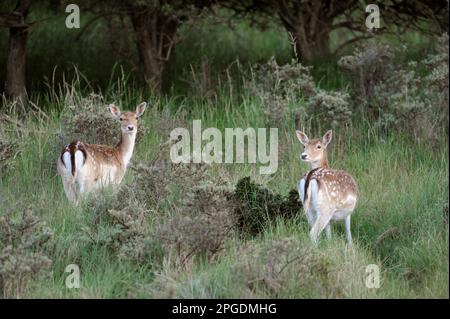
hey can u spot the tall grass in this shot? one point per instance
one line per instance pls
(399, 223)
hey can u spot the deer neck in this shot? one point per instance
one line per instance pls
(323, 162)
(126, 147)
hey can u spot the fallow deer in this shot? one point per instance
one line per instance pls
(327, 194)
(87, 167)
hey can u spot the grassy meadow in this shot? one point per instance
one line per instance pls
(400, 223)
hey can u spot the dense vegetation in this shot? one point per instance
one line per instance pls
(185, 230)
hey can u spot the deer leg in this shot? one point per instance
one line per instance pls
(301, 189)
(348, 232)
(69, 190)
(322, 220)
(328, 231)
(311, 217)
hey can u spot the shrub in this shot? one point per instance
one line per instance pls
(286, 267)
(278, 86)
(269, 267)
(8, 152)
(257, 206)
(371, 63)
(120, 222)
(189, 210)
(10, 144)
(330, 108)
(437, 80)
(88, 119)
(22, 252)
(394, 94)
(199, 226)
(164, 122)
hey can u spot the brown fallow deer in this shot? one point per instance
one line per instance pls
(326, 194)
(87, 167)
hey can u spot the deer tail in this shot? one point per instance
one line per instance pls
(73, 157)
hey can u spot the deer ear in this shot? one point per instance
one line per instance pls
(114, 110)
(141, 108)
(327, 138)
(302, 137)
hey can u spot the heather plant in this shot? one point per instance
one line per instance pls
(8, 152)
(190, 213)
(282, 86)
(370, 63)
(120, 223)
(286, 267)
(437, 81)
(88, 119)
(162, 181)
(329, 108)
(199, 226)
(279, 86)
(163, 122)
(23, 254)
(10, 142)
(395, 94)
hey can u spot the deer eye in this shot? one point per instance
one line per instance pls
(319, 147)
(120, 119)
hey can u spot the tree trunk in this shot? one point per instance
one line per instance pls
(310, 46)
(155, 35)
(310, 24)
(310, 49)
(15, 86)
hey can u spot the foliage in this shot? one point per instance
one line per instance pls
(281, 86)
(330, 108)
(257, 206)
(284, 267)
(8, 152)
(394, 94)
(88, 119)
(22, 251)
(199, 226)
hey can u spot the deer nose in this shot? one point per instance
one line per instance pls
(304, 156)
(130, 128)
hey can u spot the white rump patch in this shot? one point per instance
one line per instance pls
(66, 161)
(79, 160)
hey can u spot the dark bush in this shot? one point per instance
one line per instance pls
(257, 206)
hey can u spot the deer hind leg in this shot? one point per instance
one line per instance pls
(322, 221)
(64, 169)
(69, 189)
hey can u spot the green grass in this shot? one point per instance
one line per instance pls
(403, 185)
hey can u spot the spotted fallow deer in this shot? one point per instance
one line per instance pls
(87, 167)
(327, 194)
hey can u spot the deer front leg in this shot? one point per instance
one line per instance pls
(328, 231)
(348, 232)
